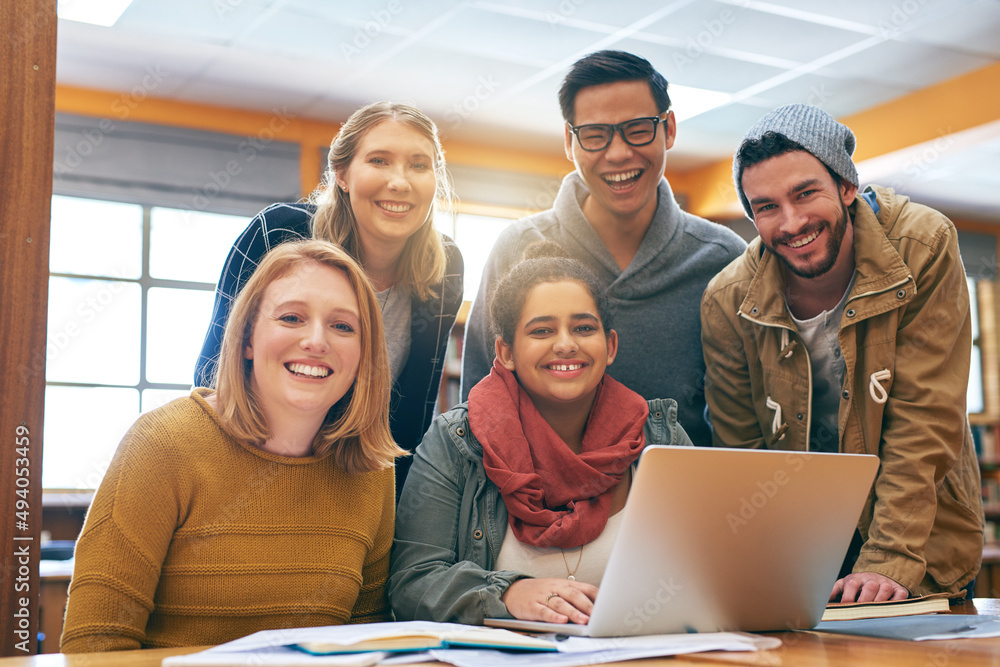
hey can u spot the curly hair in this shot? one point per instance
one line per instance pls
(543, 262)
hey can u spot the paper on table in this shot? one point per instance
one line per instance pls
(270, 648)
(918, 628)
(271, 656)
(592, 651)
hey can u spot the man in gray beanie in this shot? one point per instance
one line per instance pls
(845, 327)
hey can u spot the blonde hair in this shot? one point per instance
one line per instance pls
(422, 264)
(357, 426)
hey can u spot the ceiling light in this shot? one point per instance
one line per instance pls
(688, 102)
(98, 12)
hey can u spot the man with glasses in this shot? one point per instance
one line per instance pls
(616, 214)
(846, 327)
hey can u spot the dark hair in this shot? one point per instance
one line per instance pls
(544, 262)
(610, 67)
(771, 144)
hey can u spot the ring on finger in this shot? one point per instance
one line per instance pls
(549, 597)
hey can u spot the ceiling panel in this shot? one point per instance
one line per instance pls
(715, 134)
(970, 28)
(510, 38)
(907, 64)
(703, 70)
(195, 20)
(838, 97)
(878, 13)
(245, 95)
(157, 66)
(754, 31)
(293, 34)
(621, 14)
(375, 17)
(296, 78)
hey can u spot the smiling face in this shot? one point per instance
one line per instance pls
(800, 212)
(306, 343)
(560, 350)
(391, 183)
(622, 179)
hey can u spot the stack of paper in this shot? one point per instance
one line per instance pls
(460, 645)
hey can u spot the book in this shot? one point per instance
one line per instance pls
(851, 611)
(425, 639)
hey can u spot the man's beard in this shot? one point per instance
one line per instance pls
(834, 240)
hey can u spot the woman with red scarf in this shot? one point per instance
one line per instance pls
(514, 499)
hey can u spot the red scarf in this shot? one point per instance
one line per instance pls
(555, 497)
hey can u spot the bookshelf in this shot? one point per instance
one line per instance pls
(986, 425)
(986, 434)
(451, 377)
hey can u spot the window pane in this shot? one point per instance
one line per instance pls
(974, 399)
(93, 331)
(96, 238)
(83, 427)
(156, 398)
(475, 236)
(974, 307)
(191, 245)
(175, 332)
(444, 222)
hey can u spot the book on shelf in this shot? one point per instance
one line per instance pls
(984, 437)
(850, 611)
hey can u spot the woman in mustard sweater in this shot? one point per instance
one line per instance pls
(266, 504)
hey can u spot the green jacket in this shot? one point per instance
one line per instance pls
(452, 520)
(906, 338)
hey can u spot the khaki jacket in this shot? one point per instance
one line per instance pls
(906, 340)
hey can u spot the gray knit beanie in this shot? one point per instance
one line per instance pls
(830, 142)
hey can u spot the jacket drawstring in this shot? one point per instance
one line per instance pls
(776, 425)
(877, 391)
(786, 347)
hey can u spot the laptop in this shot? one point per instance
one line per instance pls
(716, 540)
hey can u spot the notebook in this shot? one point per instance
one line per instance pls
(716, 540)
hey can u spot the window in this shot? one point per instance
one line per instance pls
(975, 400)
(130, 296)
(475, 236)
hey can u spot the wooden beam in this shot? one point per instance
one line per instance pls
(27, 88)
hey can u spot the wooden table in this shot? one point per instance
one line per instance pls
(798, 648)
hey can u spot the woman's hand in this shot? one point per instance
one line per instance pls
(550, 600)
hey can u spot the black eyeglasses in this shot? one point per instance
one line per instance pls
(635, 132)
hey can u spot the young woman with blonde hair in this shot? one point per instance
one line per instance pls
(385, 171)
(267, 503)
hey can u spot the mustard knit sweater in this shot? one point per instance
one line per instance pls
(194, 538)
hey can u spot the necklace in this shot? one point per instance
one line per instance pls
(383, 301)
(571, 574)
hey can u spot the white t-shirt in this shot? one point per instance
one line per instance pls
(396, 316)
(586, 563)
(819, 334)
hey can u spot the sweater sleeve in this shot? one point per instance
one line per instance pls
(123, 544)
(371, 605)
